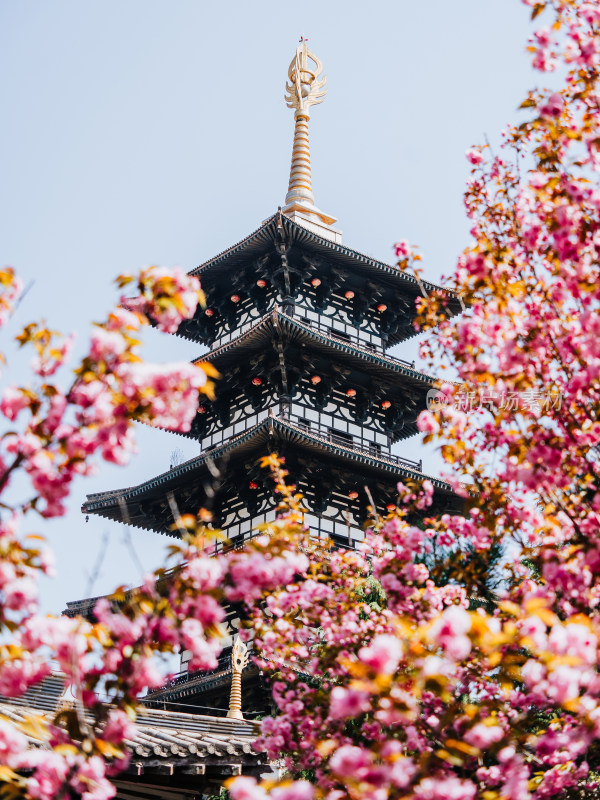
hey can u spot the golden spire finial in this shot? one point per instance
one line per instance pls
(304, 88)
(239, 660)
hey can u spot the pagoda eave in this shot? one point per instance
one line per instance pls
(282, 247)
(132, 505)
(278, 323)
(254, 244)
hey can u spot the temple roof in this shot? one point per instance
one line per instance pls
(357, 354)
(258, 440)
(157, 730)
(278, 225)
(191, 689)
(44, 696)
(173, 755)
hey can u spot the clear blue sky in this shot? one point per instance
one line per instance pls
(145, 132)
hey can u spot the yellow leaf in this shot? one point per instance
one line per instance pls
(536, 602)
(495, 658)
(537, 10)
(511, 608)
(66, 749)
(462, 747)
(7, 774)
(327, 747)
(444, 755)
(546, 616)
(216, 631)
(211, 371)
(36, 727)
(107, 749)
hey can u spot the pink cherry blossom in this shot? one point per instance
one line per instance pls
(168, 296)
(347, 703)
(552, 106)
(450, 630)
(403, 249)
(427, 423)
(482, 735)
(383, 654)
(474, 155)
(245, 788)
(350, 762)
(12, 743)
(118, 727)
(49, 776)
(14, 400)
(298, 790)
(445, 788)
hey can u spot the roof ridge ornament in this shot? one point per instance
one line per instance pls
(305, 88)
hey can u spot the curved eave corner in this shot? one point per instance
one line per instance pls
(278, 221)
(106, 501)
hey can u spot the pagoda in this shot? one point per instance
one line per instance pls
(298, 326)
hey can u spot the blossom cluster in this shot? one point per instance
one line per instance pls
(56, 431)
(65, 427)
(431, 679)
(455, 653)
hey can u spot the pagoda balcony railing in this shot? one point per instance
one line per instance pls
(373, 450)
(336, 540)
(356, 341)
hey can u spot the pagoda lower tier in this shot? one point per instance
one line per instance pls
(330, 472)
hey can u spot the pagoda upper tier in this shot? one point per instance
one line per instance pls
(297, 370)
(286, 265)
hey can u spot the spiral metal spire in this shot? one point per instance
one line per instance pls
(304, 88)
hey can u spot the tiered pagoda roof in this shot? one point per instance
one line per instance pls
(372, 376)
(298, 325)
(279, 228)
(285, 255)
(276, 325)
